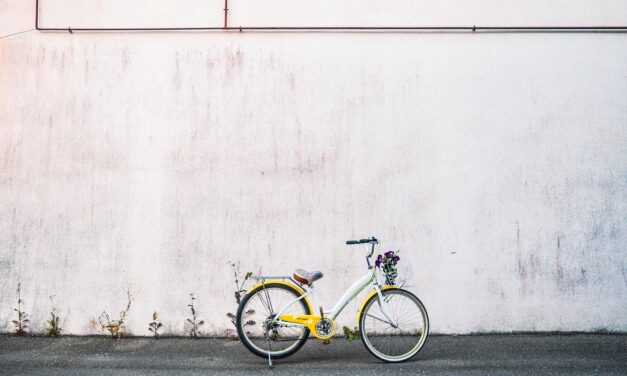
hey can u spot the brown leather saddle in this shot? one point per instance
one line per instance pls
(306, 277)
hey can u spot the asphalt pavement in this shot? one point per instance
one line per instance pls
(517, 354)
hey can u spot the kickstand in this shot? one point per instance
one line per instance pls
(269, 350)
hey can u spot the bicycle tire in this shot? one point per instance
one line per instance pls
(365, 337)
(244, 337)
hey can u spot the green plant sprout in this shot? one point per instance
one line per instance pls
(21, 324)
(195, 329)
(116, 327)
(54, 330)
(155, 325)
(351, 334)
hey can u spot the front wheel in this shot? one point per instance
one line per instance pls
(400, 339)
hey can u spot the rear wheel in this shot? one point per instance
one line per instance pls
(254, 321)
(399, 342)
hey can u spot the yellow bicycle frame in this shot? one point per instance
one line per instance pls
(310, 322)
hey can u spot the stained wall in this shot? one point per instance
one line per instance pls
(496, 163)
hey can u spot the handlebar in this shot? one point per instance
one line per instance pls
(372, 240)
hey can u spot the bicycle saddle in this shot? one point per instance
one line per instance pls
(306, 277)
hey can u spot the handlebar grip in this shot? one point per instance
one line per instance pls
(364, 241)
(352, 242)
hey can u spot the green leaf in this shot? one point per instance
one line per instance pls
(200, 323)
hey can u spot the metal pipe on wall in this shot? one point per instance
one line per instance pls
(440, 29)
(226, 13)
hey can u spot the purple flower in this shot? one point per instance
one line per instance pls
(396, 258)
(389, 254)
(377, 262)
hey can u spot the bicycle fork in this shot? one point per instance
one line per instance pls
(384, 308)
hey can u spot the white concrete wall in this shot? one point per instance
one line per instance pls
(495, 162)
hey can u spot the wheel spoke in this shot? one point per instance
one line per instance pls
(376, 318)
(268, 300)
(264, 304)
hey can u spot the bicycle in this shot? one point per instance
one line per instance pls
(276, 317)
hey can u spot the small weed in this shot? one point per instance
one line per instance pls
(195, 329)
(351, 335)
(21, 324)
(155, 325)
(116, 327)
(53, 324)
(239, 285)
(239, 290)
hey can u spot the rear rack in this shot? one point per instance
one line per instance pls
(281, 277)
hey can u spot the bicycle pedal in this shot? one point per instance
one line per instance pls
(326, 342)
